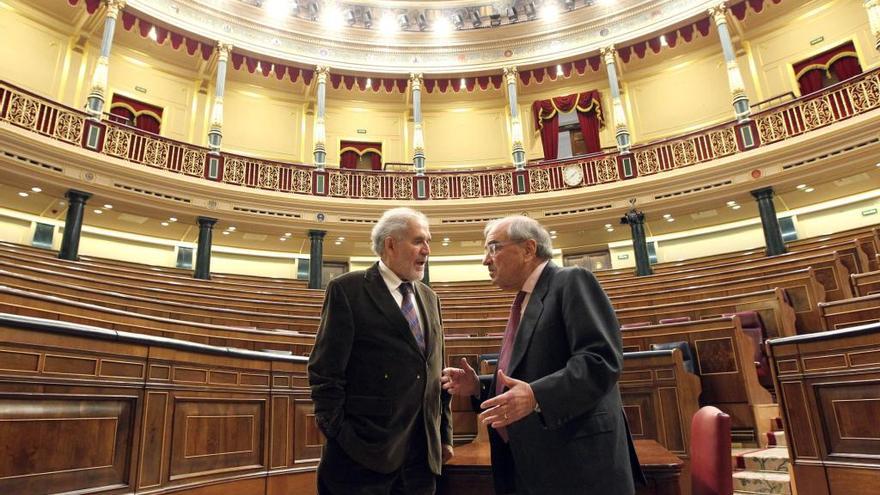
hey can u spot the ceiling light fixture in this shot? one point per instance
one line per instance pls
(172, 219)
(569, 4)
(801, 186)
(99, 211)
(277, 8)
(442, 26)
(108, 207)
(476, 20)
(809, 189)
(457, 21)
(422, 21)
(36, 189)
(735, 207)
(403, 21)
(550, 12)
(164, 224)
(368, 18)
(531, 13)
(386, 24)
(23, 194)
(494, 19)
(350, 18)
(512, 15)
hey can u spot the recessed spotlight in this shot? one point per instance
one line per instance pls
(23, 194)
(667, 215)
(444, 243)
(736, 207)
(731, 203)
(670, 219)
(607, 225)
(225, 232)
(550, 12)
(801, 186)
(288, 234)
(231, 228)
(282, 239)
(99, 211)
(387, 25)
(108, 207)
(809, 189)
(610, 229)
(164, 224)
(553, 237)
(36, 189)
(172, 219)
(445, 239)
(340, 238)
(338, 242)
(878, 164)
(552, 232)
(442, 26)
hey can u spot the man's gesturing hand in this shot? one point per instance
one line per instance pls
(511, 406)
(460, 381)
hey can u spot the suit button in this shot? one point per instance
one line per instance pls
(418, 377)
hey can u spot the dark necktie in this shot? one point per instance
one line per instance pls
(507, 347)
(408, 307)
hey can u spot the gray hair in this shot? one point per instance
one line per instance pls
(392, 224)
(523, 228)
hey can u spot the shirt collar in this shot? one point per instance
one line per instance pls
(391, 279)
(532, 281)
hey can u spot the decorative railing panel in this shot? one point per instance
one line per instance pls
(856, 96)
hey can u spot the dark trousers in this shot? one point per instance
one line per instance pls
(339, 474)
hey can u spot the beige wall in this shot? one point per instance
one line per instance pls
(250, 264)
(15, 230)
(383, 124)
(838, 218)
(261, 123)
(466, 136)
(126, 249)
(31, 54)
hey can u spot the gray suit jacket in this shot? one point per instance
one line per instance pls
(370, 381)
(569, 348)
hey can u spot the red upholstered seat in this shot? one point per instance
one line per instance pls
(753, 327)
(636, 324)
(711, 468)
(677, 319)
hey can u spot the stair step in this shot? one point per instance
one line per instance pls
(776, 439)
(763, 483)
(774, 459)
(776, 424)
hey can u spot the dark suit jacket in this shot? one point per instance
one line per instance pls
(569, 348)
(370, 381)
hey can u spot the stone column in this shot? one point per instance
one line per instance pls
(76, 203)
(772, 234)
(734, 77)
(415, 82)
(516, 132)
(621, 129)
(636, 221)
(316, 258)
(215, 133)
(320, 137)
(203, 251)
(98, 89)
(873, 8)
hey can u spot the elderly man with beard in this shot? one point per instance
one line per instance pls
(375, 370)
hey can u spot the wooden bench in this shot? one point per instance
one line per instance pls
(851, 312)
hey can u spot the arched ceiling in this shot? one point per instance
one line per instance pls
(289, 34)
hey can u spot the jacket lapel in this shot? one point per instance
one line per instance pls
(530, 317)
(381, 296)
(430, 314)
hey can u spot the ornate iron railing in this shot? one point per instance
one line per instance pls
(842, 101)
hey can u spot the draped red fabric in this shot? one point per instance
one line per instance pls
(251, 64)
(388, 84)
(639, 49)
(811, 81)
(148, 123)
(687, 32)
(237, 58)
(429, 85)
(280, 70)
(580, 66)
(177, 39)
(594, 61)
(739, 10)
(92, 6)
(191, 46)
(122, 115)
(361, 83)
(550, 137)
(208, 49)
(442, 85)
(307, 74)
(293, 73)
(128, 20)
(524, 76)
(552, 73)
(756, 5)
(824, 59)
(469, 83)
(703, 26)
(401, 85)
(496, 81)
(655, 45)
(538, 74)
(625, 53)
(671, 38)
(590, 129)
(483, 81)
(144, 27)
(455, 84)
(348, 159)
(349, 82)
(376, 160)
(161, 34)
(335, 80)
(845, 68)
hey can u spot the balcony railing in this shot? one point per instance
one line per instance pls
(846, 99)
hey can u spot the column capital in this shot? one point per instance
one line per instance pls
(317, 234)
(763, 193)
(321, 73)
(113, 8)
(206, 222)
(415, 80)
(717, 13)
(873, 8)
(76, 196)
(608, 54)
(633, 217)
(510, 74)
(223, 49)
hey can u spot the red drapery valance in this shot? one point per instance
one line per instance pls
(138, 114)
(589, 110)
(350, 152)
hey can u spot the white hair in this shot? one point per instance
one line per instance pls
(394, 223)
(523, 228)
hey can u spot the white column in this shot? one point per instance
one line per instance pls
(215, 131)
(415, 81)
(319, 150)
(98, 88)
(516, 132)
(873, 8)
(621, 129)
(734, 77)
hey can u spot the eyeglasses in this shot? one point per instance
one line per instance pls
(493, 247)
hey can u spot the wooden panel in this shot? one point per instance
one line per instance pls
(799, 424)
(212, 436)
(155, 433)
(849, 414)
(280, 438)
(52, 444)
(308, 440)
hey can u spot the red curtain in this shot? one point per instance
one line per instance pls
(811, 81)
(122, 115)
(589, 111)
(845, 68)
(140, 115)
(352, 152)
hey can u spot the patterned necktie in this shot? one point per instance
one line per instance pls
(408, 307)
(507, 347)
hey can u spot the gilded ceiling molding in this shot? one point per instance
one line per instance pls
(304, 42)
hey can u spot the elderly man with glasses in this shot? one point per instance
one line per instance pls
(556, 423)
